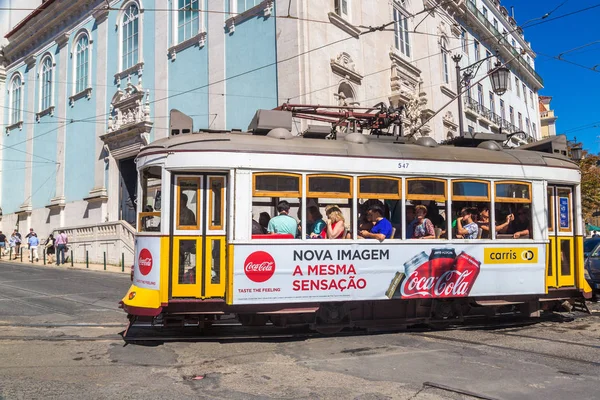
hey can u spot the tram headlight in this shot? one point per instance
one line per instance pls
(131, 295)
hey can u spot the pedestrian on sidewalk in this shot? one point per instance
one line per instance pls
(61, 245)
(50, 248)
(33, 243)
(3, 243)
(30, 234)
(17, 242)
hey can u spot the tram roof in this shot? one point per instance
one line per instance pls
(384, 147)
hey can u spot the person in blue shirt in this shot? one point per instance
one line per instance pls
(382, 228)
(34, 242)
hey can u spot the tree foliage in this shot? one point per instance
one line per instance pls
(590, 184)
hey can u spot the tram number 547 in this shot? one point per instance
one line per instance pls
(403, 165)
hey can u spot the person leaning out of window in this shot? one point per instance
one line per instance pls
(382, 228)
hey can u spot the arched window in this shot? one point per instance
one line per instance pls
(130, 36)
(345, 95)
(188, 24)
(15, 99)
(82, 62)
(445, 71)
(46, 83)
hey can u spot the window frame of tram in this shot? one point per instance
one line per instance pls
(505, 206)
(427, 194)
(471, 197)
(188, 247)
(267, 195)
(323, 204)
(566, 262)
(149, 213)
(387, 193)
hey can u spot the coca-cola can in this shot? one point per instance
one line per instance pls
(411, 265)
(441, 260)
(394, 284)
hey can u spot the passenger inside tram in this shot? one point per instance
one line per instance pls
(466, 227)
(382, 228)
(423, 227)
(519, 226)
(283, 223)
(186, 216)
(315, 226)
(335, 223)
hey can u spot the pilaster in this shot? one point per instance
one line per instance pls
(29, 120)
(216, 64)
(63, 56)
(99, 191)
(2, 112)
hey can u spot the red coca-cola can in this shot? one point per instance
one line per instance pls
(467, 268)
(441, 260)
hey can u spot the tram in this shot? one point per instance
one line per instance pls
(202, 249)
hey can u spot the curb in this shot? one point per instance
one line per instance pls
(92, 267)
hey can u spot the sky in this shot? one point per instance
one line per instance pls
(574, 89)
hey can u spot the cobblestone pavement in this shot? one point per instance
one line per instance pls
(60, 340)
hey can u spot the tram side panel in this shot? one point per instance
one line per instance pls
(290, 273)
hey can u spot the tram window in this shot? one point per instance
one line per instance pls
(215, 265)
(187, 262)
(564, 210)
(328, 206)
(216, 202)
(149, 215)
(386, 192)
(513, 212)
(269, 188)
(471, 209)
(267, 184)
(188, 203)
(264, 209)
(426, 196)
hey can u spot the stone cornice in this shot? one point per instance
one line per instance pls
(48, 25)
(344, 25)
(62, 39)
(264, 8)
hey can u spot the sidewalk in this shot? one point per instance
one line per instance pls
(76, 265)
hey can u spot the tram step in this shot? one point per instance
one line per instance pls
(580, 305)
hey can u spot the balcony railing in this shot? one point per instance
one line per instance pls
(501, 39)
(486, 113)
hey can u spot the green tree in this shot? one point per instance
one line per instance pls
(590, 184)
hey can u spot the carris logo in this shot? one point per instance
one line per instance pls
(145, 261)
(259, 266)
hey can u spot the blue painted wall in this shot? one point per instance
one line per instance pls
(13, 151)
(250, 70)
(80, 139)
(43, 177)
(189, 71)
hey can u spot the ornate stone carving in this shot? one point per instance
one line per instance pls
(344, 66)
(127, 108)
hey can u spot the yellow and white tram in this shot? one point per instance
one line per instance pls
(196, 256)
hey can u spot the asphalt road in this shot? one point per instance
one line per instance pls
(60, 340)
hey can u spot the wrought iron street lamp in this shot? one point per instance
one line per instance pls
(576, 152)
(499, 76)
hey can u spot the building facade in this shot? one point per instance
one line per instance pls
(547, 117)
(88, 82)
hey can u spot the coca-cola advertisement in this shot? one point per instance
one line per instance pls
(308, 272)
(442, 274)
(146, 268)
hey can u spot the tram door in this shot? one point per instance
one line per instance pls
(198, 253)
(561, 252)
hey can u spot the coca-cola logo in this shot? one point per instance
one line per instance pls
(450, 278)
(259, 266)
(145, 261)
